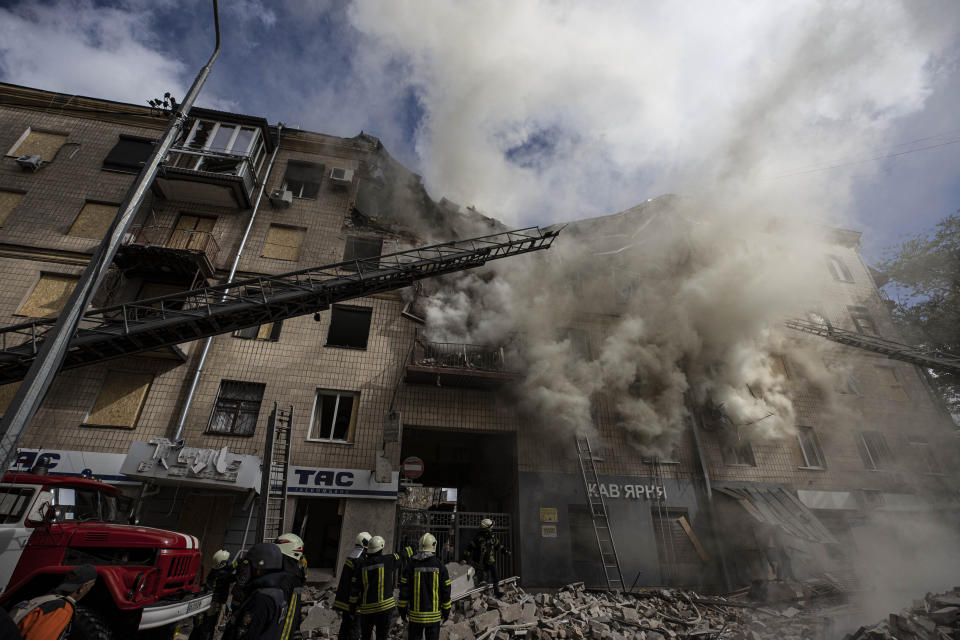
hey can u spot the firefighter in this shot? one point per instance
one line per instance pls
(295, 571)
(482, 552)
(373, 589)
(48, 617)
(425, 592)
(219, 580)
(345, 599)
(262, 614)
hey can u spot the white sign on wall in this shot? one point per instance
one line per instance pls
(356, 483)
(59, 462)
(629, 491)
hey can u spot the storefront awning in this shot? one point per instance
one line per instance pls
(780, 507)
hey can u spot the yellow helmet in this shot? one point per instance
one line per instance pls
(428, 542)
(376, 544)
(290, 545)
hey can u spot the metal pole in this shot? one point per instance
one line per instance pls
(233, 272)
(54, 348)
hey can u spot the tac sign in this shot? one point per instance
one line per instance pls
(412, 467)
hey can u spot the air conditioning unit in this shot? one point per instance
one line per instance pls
(30, 163)
(340, 176)
(281, 198)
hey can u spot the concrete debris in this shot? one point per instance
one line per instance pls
(932, 618)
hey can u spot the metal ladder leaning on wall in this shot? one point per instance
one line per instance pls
(598, 514)
(273, 482)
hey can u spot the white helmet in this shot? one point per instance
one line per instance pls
(290, 545)
(428, 542)
(221, 558)
(363, 538)
(486, 523)
(376, 544)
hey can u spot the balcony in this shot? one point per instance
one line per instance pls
(448, 364)
(176, 253)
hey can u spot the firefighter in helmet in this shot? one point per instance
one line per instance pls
(482, 553)
(219, 580)
(263, 612)
(373, 588)
(346, 599)
(425, 592)
(295, 572)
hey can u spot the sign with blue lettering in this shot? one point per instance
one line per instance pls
(80, 464)
(341, 483)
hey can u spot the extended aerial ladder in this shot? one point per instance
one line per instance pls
(927, 358)
(148, 325)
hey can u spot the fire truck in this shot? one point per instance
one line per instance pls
(147, 578)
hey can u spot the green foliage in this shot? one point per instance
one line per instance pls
(924, 276)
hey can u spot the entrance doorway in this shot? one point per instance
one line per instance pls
(206, 517)
(318, 521)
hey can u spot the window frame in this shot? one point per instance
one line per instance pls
(298, 193)
(922, 451)
(736, 448)
(237, 411)
(276, 328)
(836, 264)
(317, 409)
(860, 314)
(814, 441)
(870, 461)
(349, 308)
(128, 168)
(351, 241)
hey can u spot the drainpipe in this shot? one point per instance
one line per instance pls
(56, 342)
(708, 489)
(233, 272)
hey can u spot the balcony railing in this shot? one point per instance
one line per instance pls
(172, 238)
(457, 365)
(228, 179)
(176, 252)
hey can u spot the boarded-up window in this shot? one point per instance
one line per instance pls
(94, 220)
(269, 332)
(283, 243)
(120, 400)
(7, 391)
(890, 384)
(334, 416)
(237, 408)
(8, 202)
(128, 155)
(39, 143)
(349, 327)
(874, 450)
(49, 296)
(192, 232)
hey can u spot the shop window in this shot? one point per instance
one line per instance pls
(738, 453)
(349, 327)
(283, 243)
(41, 143)
(129, 154)
(303, 179)
(237, 408)
(120, 400)
(94, 220)
(863, 321)
(838, 269)
(269, 332)
(874, 451)
(891, 386)
(358, 248)
(9, 200)
(334, 416)
(49, 296)
(923, 455)
(810, 448)
(7, 391)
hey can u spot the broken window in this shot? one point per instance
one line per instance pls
(838, 269)
(358, 248)
(40, 143)
(874, 451)
(303, 179)
(891, 386)
(738, 453)
(810, 448)
(94, 220)
(923, 454)
(237, 407)
(9, 200)
(579, 342)
(862, 321)
(334, 416)
(283, 243)
(269, 332)
(120, 400)
(49, 296)
(129, 154)
(349, 326)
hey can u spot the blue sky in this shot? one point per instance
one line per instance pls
(539, 111)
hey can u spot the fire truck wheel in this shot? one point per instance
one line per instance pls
(88, 624)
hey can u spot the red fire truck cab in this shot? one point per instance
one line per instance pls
(147, 578)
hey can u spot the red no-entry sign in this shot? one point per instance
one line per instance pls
(412, 467)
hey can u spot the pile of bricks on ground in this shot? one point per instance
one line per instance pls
(935, 617)
(576, 613)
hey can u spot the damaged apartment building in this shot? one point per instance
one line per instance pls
(363, 386)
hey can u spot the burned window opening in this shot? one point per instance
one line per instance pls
(303, 179)
(349, 327)
(237, 408)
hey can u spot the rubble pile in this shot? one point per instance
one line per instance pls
(933, 618)
(579, 614)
